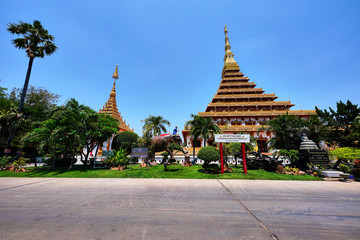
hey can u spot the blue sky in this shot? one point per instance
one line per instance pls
(170, 53)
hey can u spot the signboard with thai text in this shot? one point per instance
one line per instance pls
(230, 138)
(139, 152)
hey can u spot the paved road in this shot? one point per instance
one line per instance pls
(49, 208)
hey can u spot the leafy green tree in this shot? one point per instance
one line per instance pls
(37, 42)
(39, 102)
(316, 129)
(195, 132)
(343, 124)
(155, 125)
(125, 140)
(10, 119)
(107, 126)
(5, 103)
(95, 129)
(45, 138)
(288, 131)
(200, 126)
(172, 149)
(69, 129)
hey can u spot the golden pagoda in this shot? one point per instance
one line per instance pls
(239, 107)
(111, 108)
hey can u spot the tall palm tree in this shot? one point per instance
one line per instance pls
(288, 131)
(200, 126)
(155, 125)
(38, 42)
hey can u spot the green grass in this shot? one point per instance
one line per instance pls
(157, 171)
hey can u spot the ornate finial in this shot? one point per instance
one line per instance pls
(116, 74)
(229, 61)
(227, 44)
(113, 91)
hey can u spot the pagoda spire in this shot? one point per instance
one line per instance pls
(111, 108)
(227, 44)
(114, 76)
(229, 61)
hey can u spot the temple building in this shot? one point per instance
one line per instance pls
(111, 108)
(240, 107)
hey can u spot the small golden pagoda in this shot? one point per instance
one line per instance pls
(239, 107)
(111, 108)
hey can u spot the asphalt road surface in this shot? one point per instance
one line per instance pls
(60, 208)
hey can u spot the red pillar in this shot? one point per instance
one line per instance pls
(221, 159)
(243, 157)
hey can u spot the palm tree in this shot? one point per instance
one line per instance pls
(155, 125)
(208, 128)
(38, 43)
(288, 131)
(201, 126)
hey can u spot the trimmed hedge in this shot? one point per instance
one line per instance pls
(209, 154)
(125, 140)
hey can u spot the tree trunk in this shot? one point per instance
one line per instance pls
(194, 143)
(23, 94)
(22, 100)
(81, 159)
(97, 150)
(71, 162)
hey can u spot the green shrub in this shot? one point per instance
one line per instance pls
(59, 162)
(119, 159)
(292, 154)
(344, 168)
(208, 154)
(356, 169)
(4, 161)
(345, 154)
(21, 162)
(125, 140)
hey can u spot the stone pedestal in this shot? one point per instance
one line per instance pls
(310, 153)
(313, 156)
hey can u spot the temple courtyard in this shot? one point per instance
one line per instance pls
(83, 208)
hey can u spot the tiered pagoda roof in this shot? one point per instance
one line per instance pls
(239, 106)
(111, 108)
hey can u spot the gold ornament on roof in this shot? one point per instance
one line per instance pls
(229, 61)
(116, 74)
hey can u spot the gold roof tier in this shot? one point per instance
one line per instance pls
(236, 104)
(241, 90)
(235, 78)
(241, 128)
(232, 73)
(250, 96)
(111, 108)
(237, 84)
(305, 113)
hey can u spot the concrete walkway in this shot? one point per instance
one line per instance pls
(59, 208)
